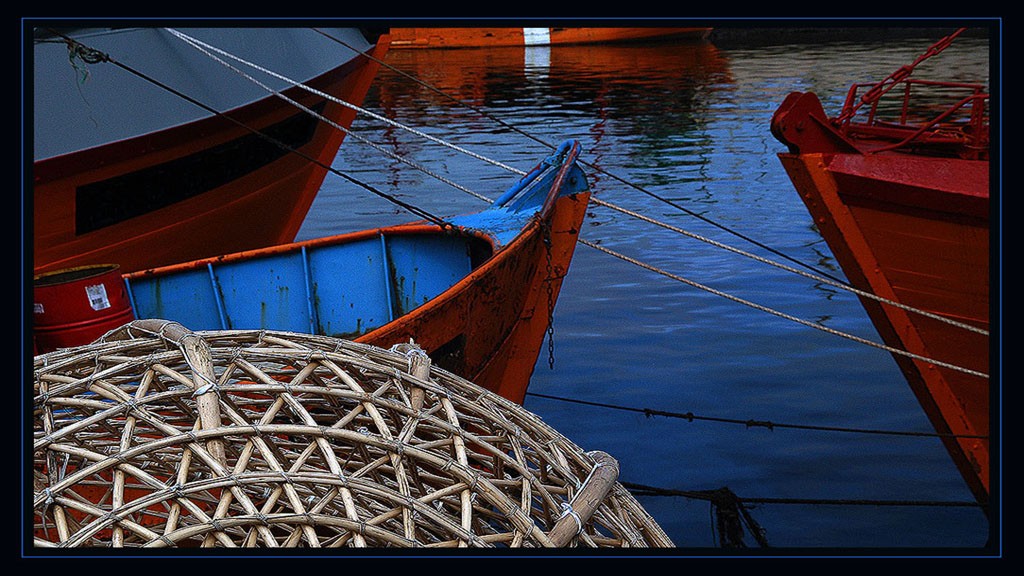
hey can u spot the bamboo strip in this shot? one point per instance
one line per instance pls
(587, 500)
(325, 443)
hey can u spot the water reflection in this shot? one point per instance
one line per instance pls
(688, 123)
(649, 97)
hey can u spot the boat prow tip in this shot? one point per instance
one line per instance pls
(801, 124)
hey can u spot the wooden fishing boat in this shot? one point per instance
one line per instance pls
(476, 293)
(150, 150)
(410, 38)
(903, 203)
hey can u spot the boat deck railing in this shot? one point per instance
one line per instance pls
(937, 116)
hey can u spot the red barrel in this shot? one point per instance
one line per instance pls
(75, 306)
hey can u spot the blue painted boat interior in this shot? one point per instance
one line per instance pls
(333, 289)
(344, 289)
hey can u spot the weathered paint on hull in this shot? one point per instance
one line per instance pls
(927, 248)
(412, 38)
(493, 324)
(499, 330)
(476, 295)
(488, 326)
(277, 193)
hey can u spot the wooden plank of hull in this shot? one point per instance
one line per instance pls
(924, 259)
(408, 38)
(277, 194)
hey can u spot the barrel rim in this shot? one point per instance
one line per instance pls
(67, 275)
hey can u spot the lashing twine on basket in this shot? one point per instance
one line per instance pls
(374, 462)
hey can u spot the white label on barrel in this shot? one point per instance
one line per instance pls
(97, 296)
(37, 308)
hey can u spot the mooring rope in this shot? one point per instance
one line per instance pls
(817, 275)
(200, 47)
(349, 105)
(76, 46)
(594, 167)
(823, 280)
(205, 48)
(783, 315)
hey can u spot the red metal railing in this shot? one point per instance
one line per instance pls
(960, 127)
(962, 120)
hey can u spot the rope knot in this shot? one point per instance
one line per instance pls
(84, 53)
(567, 510)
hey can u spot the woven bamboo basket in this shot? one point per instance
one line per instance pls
(155, 436)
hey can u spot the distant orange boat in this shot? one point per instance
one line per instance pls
(404, 38)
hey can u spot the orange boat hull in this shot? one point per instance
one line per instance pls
(927, 249)
(477, 294)
(409, 38)
(78, 223)
(491, 330)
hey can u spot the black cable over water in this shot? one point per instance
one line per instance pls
(592, 166)
(731, 513)
(710, 495)
(690, 417)
(92, 56)
(821, 276)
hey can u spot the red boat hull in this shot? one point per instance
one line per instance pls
(80, 217)
(411, 38)
(898, 186)
(927, 247)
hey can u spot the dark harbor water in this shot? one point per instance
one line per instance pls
(687, 123)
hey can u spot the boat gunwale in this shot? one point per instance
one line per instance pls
(973, 204)
(225, 124)
(409, 229)
(937, 390)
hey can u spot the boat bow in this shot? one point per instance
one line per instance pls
(903, 203)
(476, 292)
